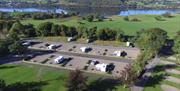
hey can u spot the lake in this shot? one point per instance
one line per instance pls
(90, 10)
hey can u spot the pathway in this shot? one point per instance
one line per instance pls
(167, 62)
(173, 79)
(168, 88)
(149, 69)
(173, 71)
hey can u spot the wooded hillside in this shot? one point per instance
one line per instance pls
(116, 3)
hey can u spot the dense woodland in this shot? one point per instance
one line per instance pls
(94, 3)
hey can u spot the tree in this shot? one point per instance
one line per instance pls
(3, 47)
(55, 30)
(176, 47)
(141, 61)
(17, 27)
(128, 76)
(106, 34)
(72, 32)
(120, 35)
(8, 24)
(76, 81)
(5, 43)
(64, 30)
(30, 31)
(16, 48)
(81, 30)
(152, 39)
(12, 36)
(2, 85)
(91, 33)
(44, 29)
(90, 18)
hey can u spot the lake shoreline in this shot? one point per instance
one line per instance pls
(86, 11)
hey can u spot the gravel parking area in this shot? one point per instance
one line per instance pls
(76, 62)
(132, 53)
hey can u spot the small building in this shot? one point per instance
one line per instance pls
(101, 67)
(70, 39)
(27, 43)
(85, 49)
(52, 46)
(129, 44)
(89, 40)
(59, 59)
(117, 53)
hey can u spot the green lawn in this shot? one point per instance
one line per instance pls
(171, 25)
(48, 79)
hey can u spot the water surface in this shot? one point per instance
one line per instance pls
(87, 10)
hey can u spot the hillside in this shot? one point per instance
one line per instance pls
(93, 2)
(129, 3)
(99, 3)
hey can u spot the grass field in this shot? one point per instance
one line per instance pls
(48, 79)
(171, 25)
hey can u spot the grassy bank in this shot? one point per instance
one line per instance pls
(171, 25)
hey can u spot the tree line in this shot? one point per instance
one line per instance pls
(14, 30)
(51, 29)
(97, 3)
(150, 42)
(11, 45)
(35, 15)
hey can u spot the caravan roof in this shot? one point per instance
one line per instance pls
(101, 67)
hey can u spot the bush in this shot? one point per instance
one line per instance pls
(90, 18)
(135, 20)
(159, 18)
(110, 19)
(100, 18)
(126, 18)
(168, 15)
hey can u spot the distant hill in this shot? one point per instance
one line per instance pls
(93, 2)
(130, 3)
(105, 3)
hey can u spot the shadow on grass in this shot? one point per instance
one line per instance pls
(161, 68)
(158, 75)
(154, 80)
(7, 67)
(104, 84)
(25, 86)
(55, 79)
